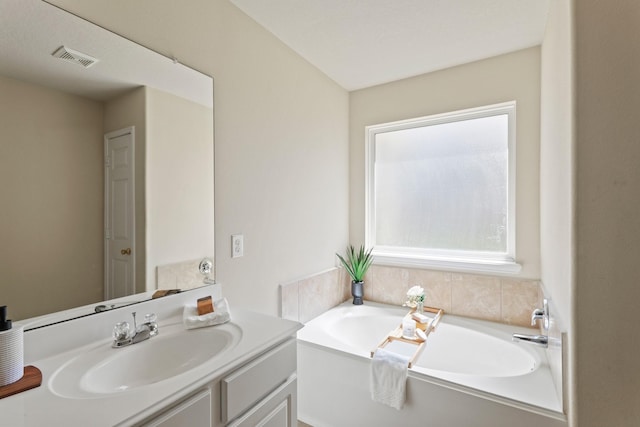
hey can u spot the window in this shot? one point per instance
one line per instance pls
(441, 190)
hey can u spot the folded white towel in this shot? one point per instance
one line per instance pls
(388, 378)
(221, 314)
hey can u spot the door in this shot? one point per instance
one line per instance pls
(119, 212)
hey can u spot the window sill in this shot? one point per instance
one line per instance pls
(465, 265)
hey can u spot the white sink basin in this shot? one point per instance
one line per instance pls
(174, 351)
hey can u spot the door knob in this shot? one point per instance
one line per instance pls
(126, 251)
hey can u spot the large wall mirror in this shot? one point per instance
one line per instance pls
(106, 164)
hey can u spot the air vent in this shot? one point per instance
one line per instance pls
(74, 56)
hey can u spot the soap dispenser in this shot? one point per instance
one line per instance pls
(11, 350)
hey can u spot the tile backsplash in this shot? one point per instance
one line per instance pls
(303, 299)
(499, 299)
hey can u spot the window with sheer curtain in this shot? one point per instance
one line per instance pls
(440, 189)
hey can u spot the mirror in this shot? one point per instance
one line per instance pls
(64, 210)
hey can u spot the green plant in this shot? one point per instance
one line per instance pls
(357, 262)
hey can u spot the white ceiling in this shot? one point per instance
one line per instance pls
(31, 30)
(362, 43)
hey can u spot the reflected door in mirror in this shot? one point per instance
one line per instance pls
(119, 213)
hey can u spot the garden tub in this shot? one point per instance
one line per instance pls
(470, 373)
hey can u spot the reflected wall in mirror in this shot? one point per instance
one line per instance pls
(54, 115)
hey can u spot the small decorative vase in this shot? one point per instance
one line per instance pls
(420, 307)
(357, 291)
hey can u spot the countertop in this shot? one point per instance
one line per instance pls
(42, 406)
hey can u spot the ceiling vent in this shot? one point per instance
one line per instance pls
(74, 56)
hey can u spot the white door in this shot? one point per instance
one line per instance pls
(119, 213)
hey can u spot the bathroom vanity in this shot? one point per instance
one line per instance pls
(241, 373)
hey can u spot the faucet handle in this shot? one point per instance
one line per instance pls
(150, 320)
(541, 313)
(538, 313)
(121, 331)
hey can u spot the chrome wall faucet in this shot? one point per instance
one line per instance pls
(539, 313)
(539, 340)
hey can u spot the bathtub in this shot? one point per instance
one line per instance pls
(469, 374)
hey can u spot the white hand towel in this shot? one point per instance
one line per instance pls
(221, 314)
(389, 378)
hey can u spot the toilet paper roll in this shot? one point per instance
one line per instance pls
(11, 355)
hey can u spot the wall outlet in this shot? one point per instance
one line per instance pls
(237, 245)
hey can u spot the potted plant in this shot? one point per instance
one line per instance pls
(357, 263)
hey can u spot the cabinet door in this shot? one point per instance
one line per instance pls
(254, 381)
(278, 409)
(195, 411)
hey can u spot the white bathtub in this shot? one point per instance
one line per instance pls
(469, 374)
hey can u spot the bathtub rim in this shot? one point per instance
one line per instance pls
(464, 383)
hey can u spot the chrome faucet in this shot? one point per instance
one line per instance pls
(541, 313)
(540, 340)
(124, 336)
(538, 313)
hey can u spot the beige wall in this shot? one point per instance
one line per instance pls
(557, 186)
(179, 217)
(608, 224)
(51, 247)
(281, 163)
(515, 76)
(124, 111)
(556, 159)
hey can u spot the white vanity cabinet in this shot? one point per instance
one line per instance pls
(246, 378)
(263, 391)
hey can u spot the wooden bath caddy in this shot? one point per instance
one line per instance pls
(419, 343)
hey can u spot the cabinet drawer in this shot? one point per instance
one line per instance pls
(276, 410)
(194, 411)
(249, 384)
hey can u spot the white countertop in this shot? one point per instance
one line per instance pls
(42, 406)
